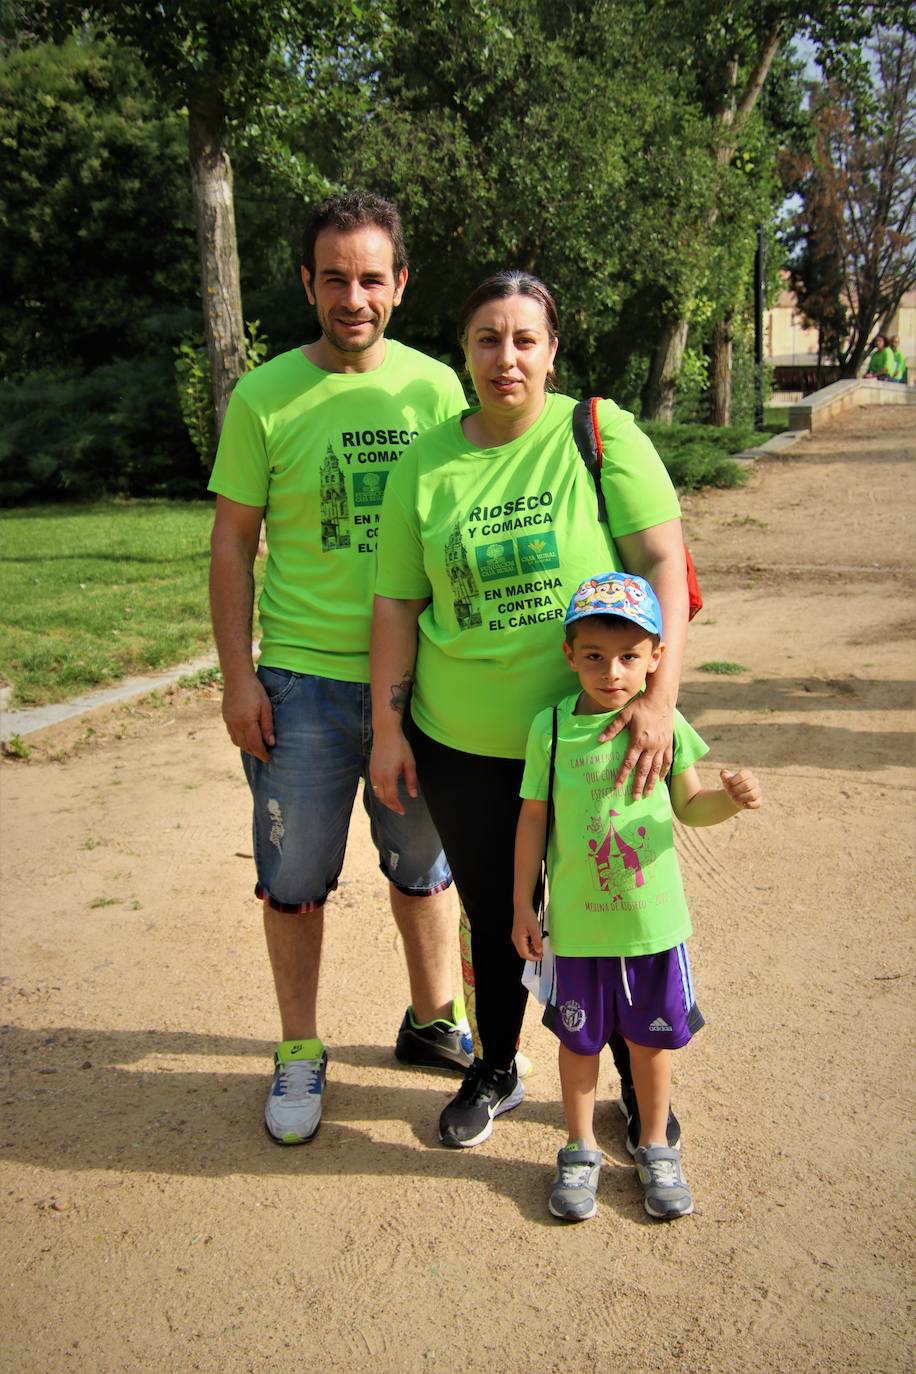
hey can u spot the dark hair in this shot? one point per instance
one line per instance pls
(355, 210)
(500, 287)
(882, 337)
(573, 626)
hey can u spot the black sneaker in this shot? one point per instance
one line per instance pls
(485, 1093)
(442, 1044)
(628, 1108)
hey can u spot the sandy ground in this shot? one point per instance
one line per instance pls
(148, 1223)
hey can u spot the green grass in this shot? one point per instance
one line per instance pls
(93, 593)
(723, 667)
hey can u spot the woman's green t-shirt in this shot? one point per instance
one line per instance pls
(499, 539)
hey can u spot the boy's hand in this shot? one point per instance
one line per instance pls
(743, 788)
(526, 935)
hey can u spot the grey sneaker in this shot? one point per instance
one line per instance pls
(292, 1113)
(664, 1185)
(575, 1188)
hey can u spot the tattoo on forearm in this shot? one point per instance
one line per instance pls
(400, 693)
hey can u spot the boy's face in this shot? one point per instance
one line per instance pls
(612, 660)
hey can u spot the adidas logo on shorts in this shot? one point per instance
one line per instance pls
(659, 1024)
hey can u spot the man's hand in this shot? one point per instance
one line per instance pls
(249, 716)
(648, 757)
(391, 759)
(743, 788)
(526, 935)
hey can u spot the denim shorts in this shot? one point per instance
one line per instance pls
(303, 797)
(646, 998)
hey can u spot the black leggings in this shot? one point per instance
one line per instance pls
(474, 803)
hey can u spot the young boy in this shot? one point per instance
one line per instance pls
(617, 918)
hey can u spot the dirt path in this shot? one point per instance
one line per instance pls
(148, 1223)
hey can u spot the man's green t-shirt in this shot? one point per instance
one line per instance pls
(500, 539)
(900, 369)
(615, 882)
(315, 449)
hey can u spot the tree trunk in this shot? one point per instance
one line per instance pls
(661, 386)
(220, 293)
(720, 372)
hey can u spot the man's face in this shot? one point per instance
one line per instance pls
(354, 289)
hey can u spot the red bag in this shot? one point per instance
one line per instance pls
(587, 435)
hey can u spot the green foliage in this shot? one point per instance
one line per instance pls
(195, 392)
(697, 455)
(16, 748)
(96, 228)
(117, 429)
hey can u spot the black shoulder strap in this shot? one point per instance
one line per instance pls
(588, 442)
(551, 771)
(543, 882)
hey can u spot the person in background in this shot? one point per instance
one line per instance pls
(882, 363)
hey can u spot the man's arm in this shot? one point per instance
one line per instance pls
(657, 554)
(233, 547)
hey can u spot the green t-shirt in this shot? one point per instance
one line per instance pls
(883, 361)
(899, 371)
(615, 882)
(315, 449)
(500, 539)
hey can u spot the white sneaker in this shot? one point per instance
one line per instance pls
(292, 1114)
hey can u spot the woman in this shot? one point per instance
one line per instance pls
(489, 523)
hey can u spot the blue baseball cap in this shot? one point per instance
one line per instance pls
(621, 594)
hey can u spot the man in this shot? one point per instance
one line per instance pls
(308, 441)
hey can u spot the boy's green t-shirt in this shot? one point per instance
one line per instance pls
(899, 364)
(615, 883)
(315, 449)
(499, 539)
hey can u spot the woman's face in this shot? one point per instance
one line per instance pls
(509, 352)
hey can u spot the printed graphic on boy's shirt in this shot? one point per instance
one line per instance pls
(465, 592)
(369, 488)
(617, 863)
(334, 508)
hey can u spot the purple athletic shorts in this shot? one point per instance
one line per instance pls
(646, 998)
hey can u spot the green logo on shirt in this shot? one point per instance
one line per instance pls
(538, 551)
(369, 488)
(496, 560)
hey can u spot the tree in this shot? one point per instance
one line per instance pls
(727, 55)
(855, 255)
(223, 63)
(96, 223)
